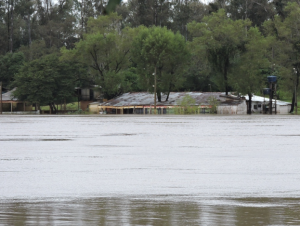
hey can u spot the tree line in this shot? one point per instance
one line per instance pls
(48, 48)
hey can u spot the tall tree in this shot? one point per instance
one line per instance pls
(106, 51)
(248, 76)
(198, 77)
(47, 81)
(288, 30)
(10, 64)
(184, 12)
(56, 23)
(3, 28)
(257, 11)
(160, 51)
(222, 38)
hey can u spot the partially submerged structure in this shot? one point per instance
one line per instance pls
(12, 105)
(261, 105)
(86, 96)
(143, 103)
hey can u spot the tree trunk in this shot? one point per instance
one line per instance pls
(81, 12)
(294, 93)
(226, 65)
(11, 27)
(168, 95)
(293, 103)
(29, 36)
(50, 108)
(158, 96)
(169, 92)
(54, 108)
(249, 104)
(8, 25)
(65, 106)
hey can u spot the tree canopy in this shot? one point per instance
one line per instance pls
(225, 45)
(47, 81)
(222, 38)
(158, 50)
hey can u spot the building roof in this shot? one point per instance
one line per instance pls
(262, 99)
(145, 98)
(8, 96)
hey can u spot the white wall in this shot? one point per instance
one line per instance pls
(281, 109)
(240, 109)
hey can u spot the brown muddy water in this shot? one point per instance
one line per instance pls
(136, 170)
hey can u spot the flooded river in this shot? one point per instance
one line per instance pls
(137, 170)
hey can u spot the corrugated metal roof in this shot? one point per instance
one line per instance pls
(145, 98)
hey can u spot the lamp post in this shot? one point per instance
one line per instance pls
(296, 110)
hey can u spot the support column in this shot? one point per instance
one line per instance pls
(24, 107)
(11, 107)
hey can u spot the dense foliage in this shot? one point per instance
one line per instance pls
(47, 47)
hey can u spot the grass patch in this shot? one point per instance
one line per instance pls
(70, 106)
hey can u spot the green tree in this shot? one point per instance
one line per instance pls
(187, 105)
(249, 74)
(149, 13)
(222, 38)
(184, 12)
(279, 55)
(198, 76)
(36, 50)
(158, 50)
(285, 49)
(106, 51)
(10, 65)
(257, 11)
(47, 81)
(55, 23)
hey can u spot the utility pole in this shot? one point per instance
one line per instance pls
(0, 97)
(155, 90)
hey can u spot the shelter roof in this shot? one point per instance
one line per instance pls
(263, 99)
(8, 96)
(145, 98)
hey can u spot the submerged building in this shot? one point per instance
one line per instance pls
(12, 105)
(261, 105)
(143, 103)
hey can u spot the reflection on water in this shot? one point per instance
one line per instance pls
(152, 211)
(165, 170)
